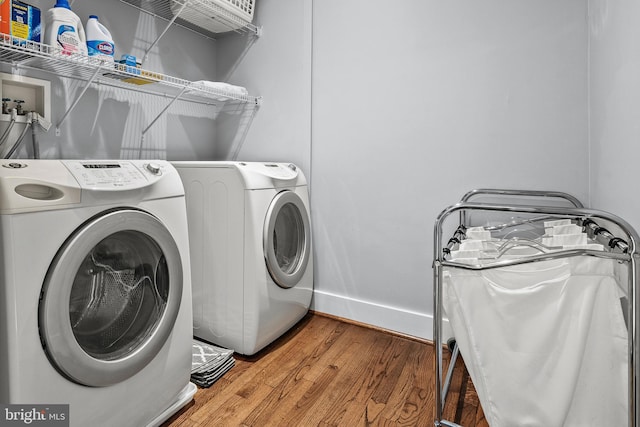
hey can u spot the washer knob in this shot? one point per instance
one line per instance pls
(154, 168)
(14, 165)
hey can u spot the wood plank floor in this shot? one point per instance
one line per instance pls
(326, 372)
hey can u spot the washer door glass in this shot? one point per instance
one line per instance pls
(111, 298)
(287, 239)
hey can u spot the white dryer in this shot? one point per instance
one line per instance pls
(251, 251)
(95, 291)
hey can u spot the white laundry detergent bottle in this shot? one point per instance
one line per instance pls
(99, 40)
(64, 30)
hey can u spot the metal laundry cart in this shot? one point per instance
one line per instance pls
(520, 223)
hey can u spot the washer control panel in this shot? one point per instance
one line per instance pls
(109, 175)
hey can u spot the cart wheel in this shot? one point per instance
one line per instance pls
(451, 344)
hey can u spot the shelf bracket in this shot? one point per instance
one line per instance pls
(158, 117)
(64, 117)
(169, 24)
(163, 110)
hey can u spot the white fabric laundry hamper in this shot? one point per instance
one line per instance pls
(544, 343)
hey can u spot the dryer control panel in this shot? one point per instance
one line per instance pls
(270, 175)
(273, 170)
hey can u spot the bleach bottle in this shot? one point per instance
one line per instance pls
(99, 40)
(63, 29)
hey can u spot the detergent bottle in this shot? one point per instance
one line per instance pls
(64, 30)
(99, 40)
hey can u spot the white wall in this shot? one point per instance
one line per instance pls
(416, 102)
(614, 65)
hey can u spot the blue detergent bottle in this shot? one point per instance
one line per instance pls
(64, 30)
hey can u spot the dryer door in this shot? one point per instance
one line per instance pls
(287, 239)
(111, 298)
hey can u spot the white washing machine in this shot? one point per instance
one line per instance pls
(95, 291)
(251, 252)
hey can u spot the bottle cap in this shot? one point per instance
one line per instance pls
(62, 3)
(93, 16)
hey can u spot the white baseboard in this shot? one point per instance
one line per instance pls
(407, 322)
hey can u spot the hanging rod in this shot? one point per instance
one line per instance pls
(593, 230)
(602, 235)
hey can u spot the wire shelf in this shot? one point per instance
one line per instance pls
(202, 16)
(23, 53)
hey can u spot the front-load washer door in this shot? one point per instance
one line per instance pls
(111, 297)
(287, 239)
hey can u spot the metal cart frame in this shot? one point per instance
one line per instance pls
(622, 248)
